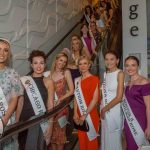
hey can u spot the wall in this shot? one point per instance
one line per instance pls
(135, 31)
(36, 24)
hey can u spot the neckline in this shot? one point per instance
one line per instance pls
(86, 77)
(112, 72)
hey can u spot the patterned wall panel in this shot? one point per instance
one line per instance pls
(29, 24)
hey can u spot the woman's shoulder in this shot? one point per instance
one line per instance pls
(143, 80)
(95, 78)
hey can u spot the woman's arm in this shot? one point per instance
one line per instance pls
(50, 89)
(86, 52)
(147, 104)
(92, 104)
(119, 94)
(19, 107)
(11, 108)
(70, 85)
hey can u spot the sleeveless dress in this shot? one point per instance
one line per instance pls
(11, 86)
(111, 138)
(59, 134)
(134, 96)
(33, 137)
(89, 84)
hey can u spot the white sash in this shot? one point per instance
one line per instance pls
(112, 122)
(35, 98)
(84, 43)
(87, 18)
(92, 134)
(3, 104)
(133, 124)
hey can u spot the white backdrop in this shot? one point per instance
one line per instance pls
(135, 22)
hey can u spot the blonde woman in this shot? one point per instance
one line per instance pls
(63, 88)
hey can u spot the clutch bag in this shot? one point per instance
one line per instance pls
(84, 127)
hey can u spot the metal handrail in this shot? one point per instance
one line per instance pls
(21, 126)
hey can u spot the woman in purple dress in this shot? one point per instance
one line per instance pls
(137, 94)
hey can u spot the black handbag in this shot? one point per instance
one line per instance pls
(84, 127)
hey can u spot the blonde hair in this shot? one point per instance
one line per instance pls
(80, 45)
(5, 41)
(84, 57)
(62, 54)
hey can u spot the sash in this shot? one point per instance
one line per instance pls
(110, 116)
(133, 124)
(84, 43)
(87, 18)
(92, 134)
(35, 98)
(3, 105)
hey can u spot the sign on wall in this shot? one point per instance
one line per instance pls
(135, 30)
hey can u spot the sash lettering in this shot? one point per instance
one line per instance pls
(35, 98)
(133, 124)
(92, 134)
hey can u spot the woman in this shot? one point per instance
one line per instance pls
(112, 90)
(87, 13)
(137, 94)
(87, 40)
(63, 88)
(76, 52)
(43, 89)
(87, 82)
(11, 89)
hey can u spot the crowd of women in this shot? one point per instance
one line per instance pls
(122, 106)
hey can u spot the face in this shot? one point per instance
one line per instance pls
(74, 38)
(111, 61)
(61, 62)
(84, 65)
(75, 45)
(131, 67)
(38, 65)
(92, 26)
(4, 52)
(84, 29)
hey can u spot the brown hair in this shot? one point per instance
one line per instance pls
(111, 52)
(133, 58)
(81, 33)
(36, 53)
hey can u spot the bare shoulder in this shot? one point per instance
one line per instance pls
(67, 72)
(48, 81)
(143, 80)
(121, 74)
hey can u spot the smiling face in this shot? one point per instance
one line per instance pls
(131, 67)
(84, 65)
(75, 45)
(111, 61)
(38, 65)
(4, 52)
(61, 63)
(84, 29)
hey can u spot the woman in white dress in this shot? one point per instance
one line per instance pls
(112, 90)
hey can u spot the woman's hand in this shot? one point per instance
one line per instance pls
(82, 118)
(103, 111)
(76, 118)
(48, 134)
(147, 133)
